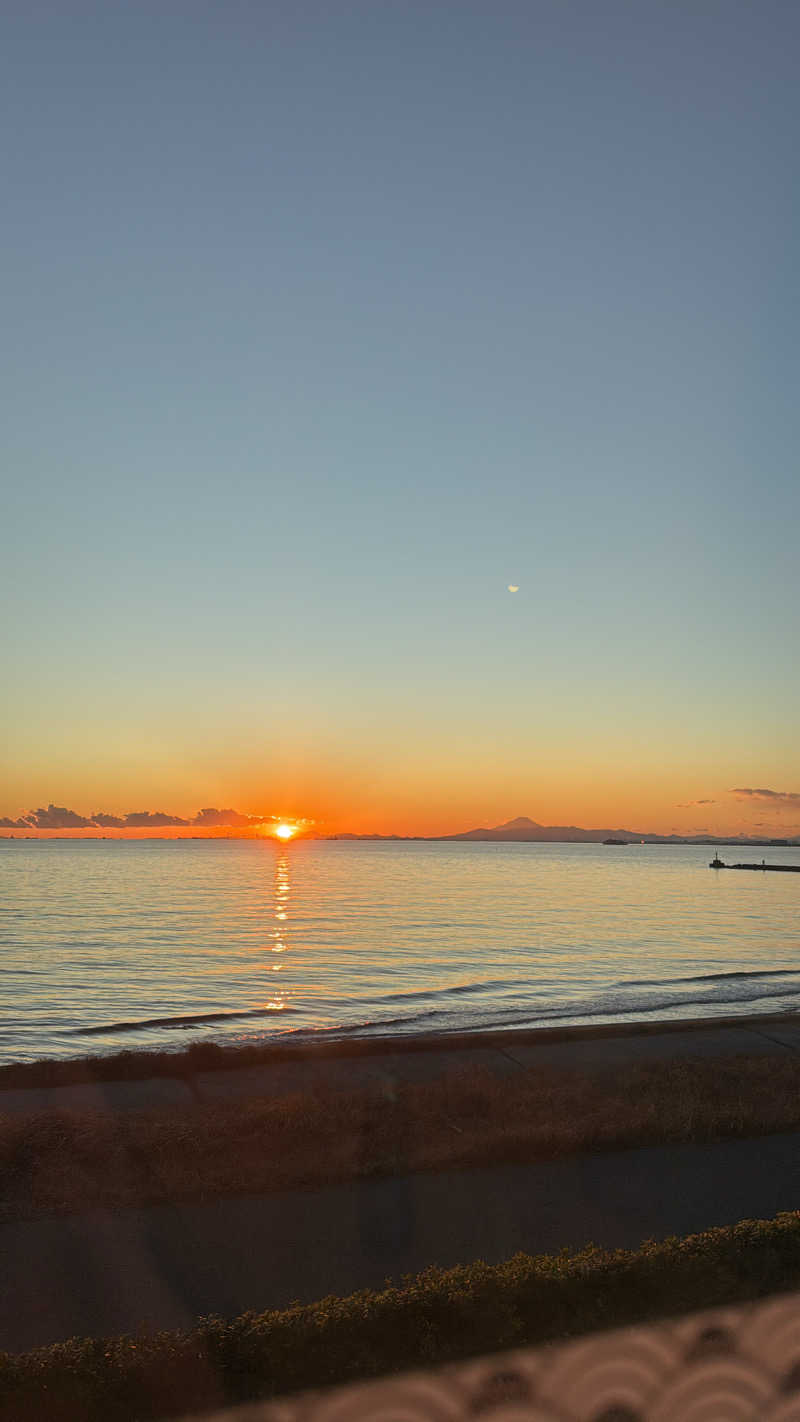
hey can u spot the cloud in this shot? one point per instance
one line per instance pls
(690, 804)
(57, 817)
(212, 818)
(152, 819)
(54, 817)
(513, 587)
(784, 797)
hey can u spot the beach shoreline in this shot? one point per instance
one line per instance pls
(211, 1055)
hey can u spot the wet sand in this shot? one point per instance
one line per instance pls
(206, 1072)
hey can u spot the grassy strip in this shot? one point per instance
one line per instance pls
(437, 1317)
(55, 1163)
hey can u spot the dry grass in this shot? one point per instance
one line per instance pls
(61, 1162)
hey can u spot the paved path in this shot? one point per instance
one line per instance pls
(106, 1272)
(377, 1062)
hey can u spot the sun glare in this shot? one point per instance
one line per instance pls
(284, 831)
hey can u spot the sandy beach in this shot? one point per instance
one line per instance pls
(578, 1047)
(132, 1130)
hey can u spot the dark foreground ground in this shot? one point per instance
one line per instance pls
(104, 1273)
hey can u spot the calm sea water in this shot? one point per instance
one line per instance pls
(106, 945)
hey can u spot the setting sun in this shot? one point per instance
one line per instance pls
(284, 831)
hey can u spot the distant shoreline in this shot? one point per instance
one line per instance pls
(132, 836)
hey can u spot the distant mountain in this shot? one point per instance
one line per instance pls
(524, 830)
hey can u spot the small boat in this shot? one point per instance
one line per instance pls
(717, 863)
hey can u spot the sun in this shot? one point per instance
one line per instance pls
(284, 831)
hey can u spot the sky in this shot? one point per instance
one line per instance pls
(324, 324)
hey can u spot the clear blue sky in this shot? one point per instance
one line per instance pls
(324, 322)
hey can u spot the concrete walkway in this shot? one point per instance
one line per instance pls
(384, 1063)
(109, 1272)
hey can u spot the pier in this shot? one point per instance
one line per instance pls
(766, 868)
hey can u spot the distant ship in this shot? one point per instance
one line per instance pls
(615, 841)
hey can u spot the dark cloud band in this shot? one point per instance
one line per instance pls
(785, 797)
(59, 817)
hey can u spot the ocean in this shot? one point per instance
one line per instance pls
(114, 944)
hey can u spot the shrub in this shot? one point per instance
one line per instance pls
(435, 1317)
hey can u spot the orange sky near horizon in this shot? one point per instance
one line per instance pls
(664, 810)
(415, 774)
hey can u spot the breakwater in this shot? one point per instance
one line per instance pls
(764, 867)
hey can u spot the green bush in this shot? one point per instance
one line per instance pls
(435, 1317)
